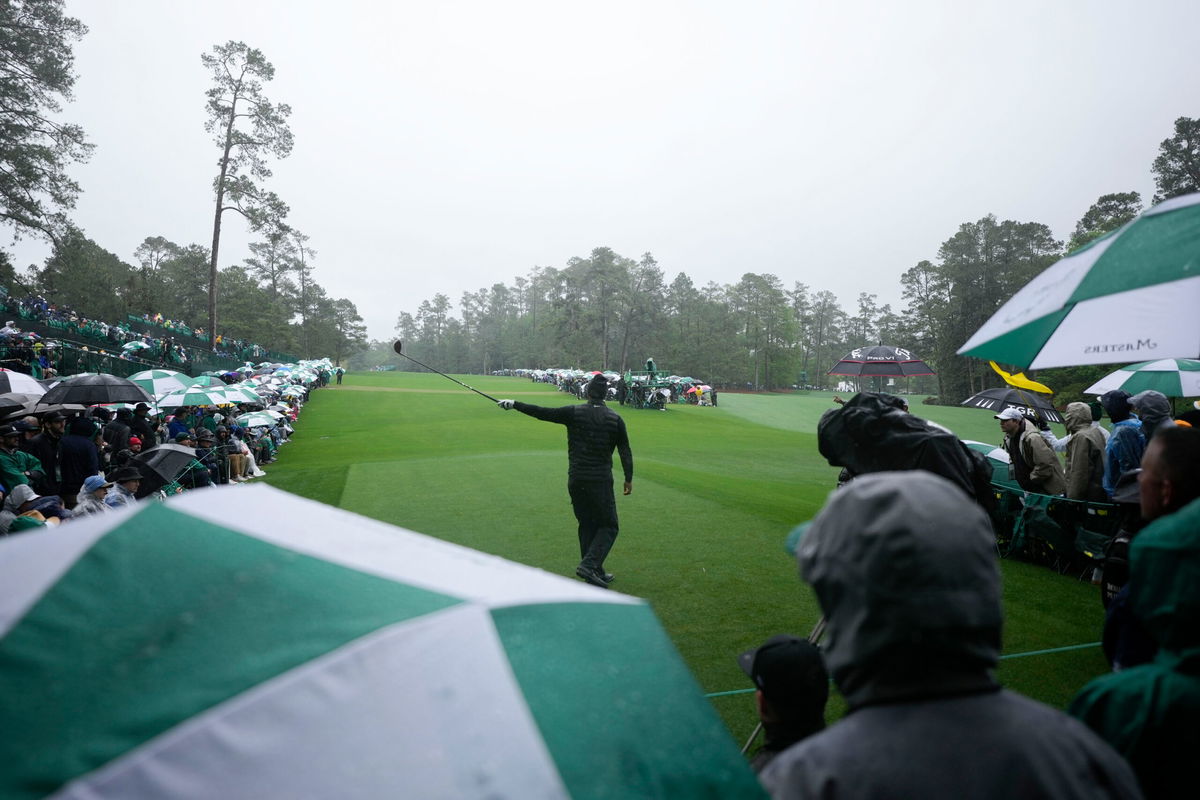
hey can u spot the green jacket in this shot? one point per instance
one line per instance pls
(14, 466)
(1151, 713)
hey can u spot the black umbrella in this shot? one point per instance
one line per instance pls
(161, 465)
(12, 403)
(881, 361)
(90, 390)
(996, 400)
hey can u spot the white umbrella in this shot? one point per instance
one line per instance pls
(1135, 292)
(263, 645)
(1174, 377)
(19, 382)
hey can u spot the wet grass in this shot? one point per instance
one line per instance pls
(716, 491)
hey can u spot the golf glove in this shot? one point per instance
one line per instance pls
(506, 404)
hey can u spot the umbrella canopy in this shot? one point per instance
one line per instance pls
(161, 465)
(93, 389)
(241, 394)
(1174, 377)
(998, 460)
(20, 382)
(195, 396)
(996, 400)
(270, 646)
(160, 381)
(258, 419)
(883, 361)
(1134, 291)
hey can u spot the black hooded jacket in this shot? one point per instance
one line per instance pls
(77, 455)
(871, 434)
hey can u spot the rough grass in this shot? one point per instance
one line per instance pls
(716, 491)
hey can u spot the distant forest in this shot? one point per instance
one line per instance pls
(270, 299)
(610, 311)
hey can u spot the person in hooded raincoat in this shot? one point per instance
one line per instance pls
(1126, 444)
(903, 565)
(1154, 409)
(1151, 712)
(1085, 456)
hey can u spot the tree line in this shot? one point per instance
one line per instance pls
(271, 298)
(609, 311)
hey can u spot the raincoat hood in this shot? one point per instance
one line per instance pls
(1078, 416)
(20, 495)
(872, 433)
(1165, 578)
(903, 566)
(1153, 408)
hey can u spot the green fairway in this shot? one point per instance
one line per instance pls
(716, 491)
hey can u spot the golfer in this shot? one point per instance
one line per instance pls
(593, 431)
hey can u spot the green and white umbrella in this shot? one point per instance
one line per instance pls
(258, 419)
(195, 396)
(241, 394)
(268, 646)
(1174, 377)
(158, 382)
(1132, 293)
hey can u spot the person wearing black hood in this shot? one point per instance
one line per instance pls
(903, 565)
(593, 432)
(78, 458)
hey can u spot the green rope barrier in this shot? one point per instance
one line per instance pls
(1051, 651)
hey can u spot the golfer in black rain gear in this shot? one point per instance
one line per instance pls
(593, 432)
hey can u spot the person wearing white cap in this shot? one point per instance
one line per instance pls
(91, 496)
(1035, 467)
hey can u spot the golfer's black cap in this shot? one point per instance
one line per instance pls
(790, 673)
(597, 387)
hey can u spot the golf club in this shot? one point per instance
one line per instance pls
(399, 348)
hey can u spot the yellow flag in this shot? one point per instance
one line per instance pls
(1021, 382)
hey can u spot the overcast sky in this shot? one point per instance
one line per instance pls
(445, 146)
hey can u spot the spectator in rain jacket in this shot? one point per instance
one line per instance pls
(903, 565)
(90, 499)
(126, 481)
(1151, 712)
(1126, 443)
(15, 465)
(78, 457)
(44, 447)
(1035, 466)
(1085, 456)
(1154, 409)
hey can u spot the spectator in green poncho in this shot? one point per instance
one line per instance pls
(15, 464)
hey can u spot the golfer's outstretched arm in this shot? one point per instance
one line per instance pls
(562, 415)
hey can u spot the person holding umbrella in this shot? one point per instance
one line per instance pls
(593, 432)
